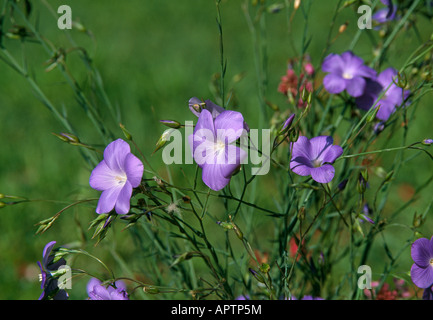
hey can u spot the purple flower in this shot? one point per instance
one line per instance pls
(386, 14)
(213, 149)
(115, 176)
(314, 157)
(392, 98)
(49, 284)
(422, 270)
(346, 72)
(97, 291)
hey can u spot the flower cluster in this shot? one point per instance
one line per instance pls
(291, 85)
(347, 72)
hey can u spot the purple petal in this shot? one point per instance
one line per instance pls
(302, 148)
(213, 108)
(422, 252)
(332, 153)
(301, 166)
(119, 294)
(355, 86)
(217, 175)
(422, 277)
(99, 293)
(92, 283)
(214, 177)
(229, 126)
(102, 177)
(323, 174)
(108, 199)
(333, 64)
(134, 170)
(115, 153)
(385, 78)
(319, 146)
(46, 253)
(386, 109)
(370, 95)
(334, 83)
(351, 61)
(123, 201)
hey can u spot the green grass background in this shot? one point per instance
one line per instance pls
(153, 56)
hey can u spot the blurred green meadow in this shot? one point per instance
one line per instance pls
(152, 57)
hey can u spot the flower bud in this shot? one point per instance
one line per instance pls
(286, 125)
(125, 132)
(257, 275)
(372, 115)
(67, 137)
(171, 124)
(427, 142)
(343, 27)
(163, 139)
(150, 290)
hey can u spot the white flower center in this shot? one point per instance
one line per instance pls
(219, 146)
(431, 262)
(120, 178)
(317, 163)
(347, 76)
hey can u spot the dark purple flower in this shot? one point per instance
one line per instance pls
(97, 291)
(115, 176)
(314, 157)
(346, 72)
(386, 14)
(392, 98)
(213, 149)
(422, 270)
(49, 284)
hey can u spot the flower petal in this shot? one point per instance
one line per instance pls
(299, 167)
(134, 170)
(301, 148)
(319, 146)
(102, 177)
(214, 177)
(355, 86)
(115, 153)
(422, 277)
(229, 126)
(332, 153)
(323, 174)
(334, 83)
(213, 108)
(92, 283)
(422, 251)
(108, 199)
(123, 202)
(333, 64)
